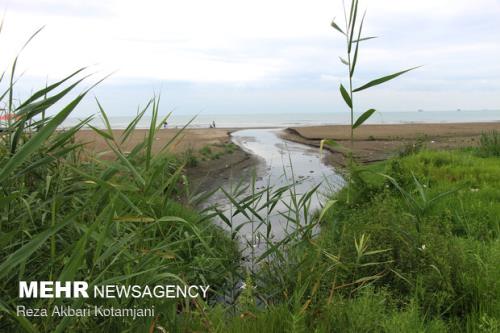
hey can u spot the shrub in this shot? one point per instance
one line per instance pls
(447, 266)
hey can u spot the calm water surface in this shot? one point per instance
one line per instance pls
(281, 163)
(270, 119)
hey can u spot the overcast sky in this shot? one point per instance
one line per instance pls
(260, 56)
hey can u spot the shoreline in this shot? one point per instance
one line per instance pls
(372, 143)
(208, 172)
(395, 131)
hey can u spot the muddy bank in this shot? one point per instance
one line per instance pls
(208, 175)
(380, 142)
(181, 141)
(210, 170)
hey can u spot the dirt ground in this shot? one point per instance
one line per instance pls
(379, 142)
(188, 139)
(208, 171)
(372, 143)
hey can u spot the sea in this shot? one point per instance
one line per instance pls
(282, 120)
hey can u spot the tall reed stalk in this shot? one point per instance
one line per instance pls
(68, 214)
(353, 37)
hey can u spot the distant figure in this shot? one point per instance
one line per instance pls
(165, 124)
(213, 124)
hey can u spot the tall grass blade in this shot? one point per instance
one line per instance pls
(345, 96)
(38, 139)
(336, 27)
(33, 245)
(383, 79)
(355, 58)
(363, 118)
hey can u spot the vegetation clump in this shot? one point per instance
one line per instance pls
(371, 269)
(410, 244)
(118, 221)
(489, 144)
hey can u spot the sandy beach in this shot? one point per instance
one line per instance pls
(372, 142)
(193, 140)
(396, 131)
(379, 142)
(189, 139)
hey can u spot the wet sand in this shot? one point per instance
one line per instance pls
(372, 143)
(189, 139)
(379, 142)
(207, 174)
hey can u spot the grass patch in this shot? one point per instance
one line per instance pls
(371, 270)
(489, 144)
(411, 244)
(117, 221)
(448, 267)
(216, 151)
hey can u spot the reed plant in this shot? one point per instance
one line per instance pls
(68, 214)
(104, 221)
(352, 32)
(489, 144)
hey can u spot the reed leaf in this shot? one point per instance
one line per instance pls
(345, 96)
(363, 39)
(355, 58)
(38, 139)
(383, 79)
(336, 27)
(43, 92)
(24, 252)
(363, 118)
(352, 24)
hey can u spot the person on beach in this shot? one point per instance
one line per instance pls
(213, 123)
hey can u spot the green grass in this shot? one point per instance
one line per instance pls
(216, 151)
(189, 158)
(489, 144)
(206, 151)
(102, 221)
(450, 266)
(372, 267)
(371, 270)
(410, 245)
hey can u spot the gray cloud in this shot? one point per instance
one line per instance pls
(459, 50)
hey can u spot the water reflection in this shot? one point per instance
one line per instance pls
(289, 168)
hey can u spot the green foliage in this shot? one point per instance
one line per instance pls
(352, 34)
(489, 144)
(206, 150)
(216, 151)
(230, 148)
(353, 25)
(448, 265)
(371, 311)
(246, 300)
(64, 217)
(413, 147)
(371, 270)
(190, 158)
(409, 245)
